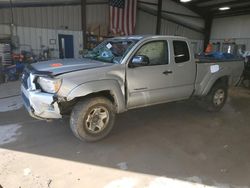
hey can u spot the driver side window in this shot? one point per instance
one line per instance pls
(156, 51)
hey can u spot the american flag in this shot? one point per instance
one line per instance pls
(122, 16)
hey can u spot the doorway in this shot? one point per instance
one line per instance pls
(66, 46)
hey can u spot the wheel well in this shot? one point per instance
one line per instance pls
(223, 80)
(67, 106)
(107, 94)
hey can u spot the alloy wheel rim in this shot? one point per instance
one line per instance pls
(97, 119)
(219, 97)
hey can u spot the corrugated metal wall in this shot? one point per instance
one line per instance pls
(231, 27)
(169, 5)
(44, 17)
(36, 38)
(238, 41)
(98, 14)
(235, 29)
(35, 26)
(167, 28)
(170, 28)
(59, 17)
(145, 23)
(5, 29)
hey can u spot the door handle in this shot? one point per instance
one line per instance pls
(167, 72)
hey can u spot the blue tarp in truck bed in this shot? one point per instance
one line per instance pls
(217, 57)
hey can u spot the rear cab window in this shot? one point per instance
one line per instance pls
(181, 51)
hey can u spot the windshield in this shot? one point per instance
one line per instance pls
(111, 51)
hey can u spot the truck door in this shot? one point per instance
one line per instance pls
(184, 69)
(152, 83)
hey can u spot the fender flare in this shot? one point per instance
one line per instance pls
(212, 81)
(96, 86)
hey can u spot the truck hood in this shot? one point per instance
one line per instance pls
(61, 66)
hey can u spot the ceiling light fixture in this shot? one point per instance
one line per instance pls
(224, 8)
(185, 1)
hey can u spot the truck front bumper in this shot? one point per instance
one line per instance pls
(40, 105)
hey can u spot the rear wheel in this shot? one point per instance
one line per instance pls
(216, 98)
(92, 119)
(246, 83)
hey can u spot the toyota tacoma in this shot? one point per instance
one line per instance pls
(120, 74)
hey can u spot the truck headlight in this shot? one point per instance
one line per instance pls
(49, 85)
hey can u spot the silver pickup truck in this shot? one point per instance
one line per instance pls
(121, 74)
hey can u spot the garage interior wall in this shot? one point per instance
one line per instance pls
(232, 29)
(36, 26)
(146, 23)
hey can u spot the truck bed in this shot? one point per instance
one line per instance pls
(209, 70)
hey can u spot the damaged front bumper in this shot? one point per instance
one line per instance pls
(40, 105)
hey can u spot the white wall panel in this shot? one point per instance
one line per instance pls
(45, 17)
(97, 14)
(145, 23)
(240, 41)
(168, 5)
(5, 16)
(5, 29)
(172, 6)
(57, 17)
(36, 25)
(60, 17)
(231, 27)
(36, 38)
(170, 28)
(234, 29)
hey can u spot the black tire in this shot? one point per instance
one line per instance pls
(246, 83)
(84, 110)
(212, 102)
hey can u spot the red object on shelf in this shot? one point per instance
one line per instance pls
(209, 48)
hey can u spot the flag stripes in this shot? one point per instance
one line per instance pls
(122, 16)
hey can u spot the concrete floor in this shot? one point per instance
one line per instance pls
(167, 145)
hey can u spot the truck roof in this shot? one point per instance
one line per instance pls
(140, 37)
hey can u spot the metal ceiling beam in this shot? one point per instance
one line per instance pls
(84, 23)
(170, 19)
(236, 9)
(180, 14)
(213, 8)
(147, 3)
(158, 22)
(198, 2)
(26, 5)
(207, 30)
(233, 13)
(231, 3)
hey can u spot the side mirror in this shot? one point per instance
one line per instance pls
(139, 60)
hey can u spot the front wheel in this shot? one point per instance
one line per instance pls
(216, 98)
(92, 119)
